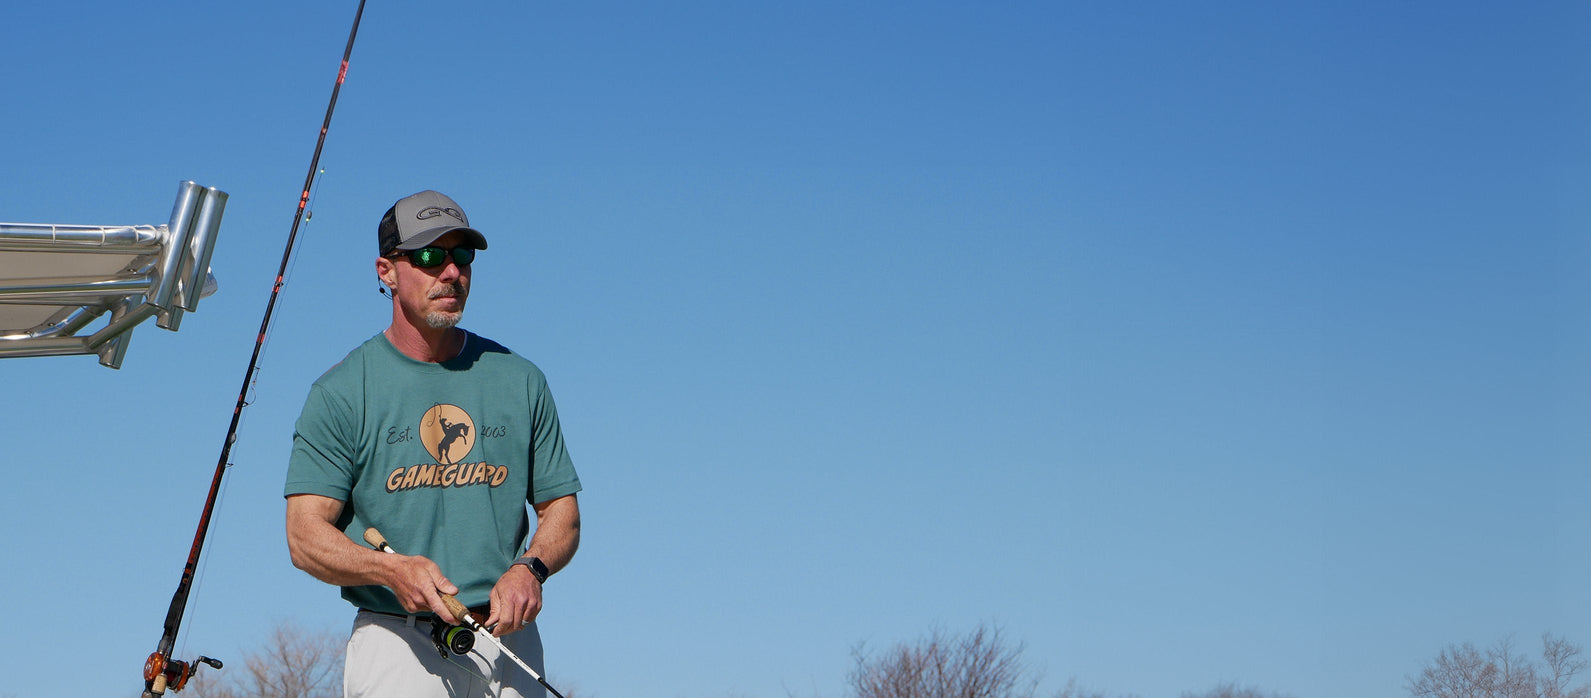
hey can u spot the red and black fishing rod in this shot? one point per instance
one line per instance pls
(161, 672)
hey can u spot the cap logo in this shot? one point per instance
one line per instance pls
(434, 211)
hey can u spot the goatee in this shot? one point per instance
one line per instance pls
(440, 320)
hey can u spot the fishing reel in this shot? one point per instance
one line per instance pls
(162, 674)
(457, 638)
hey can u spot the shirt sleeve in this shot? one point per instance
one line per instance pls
(552, 472)
(322, 461)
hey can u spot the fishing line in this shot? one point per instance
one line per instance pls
(253, 392)
(287, 277)
(308, 220)
(473, 671)
(161, 672)
(204, 568)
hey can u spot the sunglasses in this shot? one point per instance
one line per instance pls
(427, 257)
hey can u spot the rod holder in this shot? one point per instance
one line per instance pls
(178, 232)
(196, 263)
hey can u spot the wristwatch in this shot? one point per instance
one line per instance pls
(536, 567)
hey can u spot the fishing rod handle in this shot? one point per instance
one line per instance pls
(462, 612)
(454, 606)
(377, 541)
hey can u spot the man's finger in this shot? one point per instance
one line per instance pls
(508, 615)
(443, 585)
(434, 600)
(502, 621)
(499, 610)
(507, 627)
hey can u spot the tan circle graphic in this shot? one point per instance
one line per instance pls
(448, 433)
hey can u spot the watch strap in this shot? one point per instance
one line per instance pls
(535, 565)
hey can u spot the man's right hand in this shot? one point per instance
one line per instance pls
(322, 550)
(419, 584)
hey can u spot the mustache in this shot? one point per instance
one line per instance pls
(454, 289)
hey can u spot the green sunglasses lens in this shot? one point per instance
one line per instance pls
(428, 257)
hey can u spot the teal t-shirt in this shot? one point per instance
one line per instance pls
(440, 457)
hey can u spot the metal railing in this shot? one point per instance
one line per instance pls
(56, 280)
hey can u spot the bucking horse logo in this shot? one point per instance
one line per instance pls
(447, 432)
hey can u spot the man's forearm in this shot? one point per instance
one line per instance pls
(322, 550)
(557, 532)
(326, 554)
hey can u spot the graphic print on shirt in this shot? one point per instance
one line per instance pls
(448, 434)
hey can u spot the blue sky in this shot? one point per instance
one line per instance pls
(1243, 341)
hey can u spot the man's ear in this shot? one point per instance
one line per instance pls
(387, 272)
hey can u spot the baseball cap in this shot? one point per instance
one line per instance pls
(419, 219)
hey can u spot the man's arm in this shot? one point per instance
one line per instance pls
(325, 553)
(516, 599)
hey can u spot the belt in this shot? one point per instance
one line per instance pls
(480, 613)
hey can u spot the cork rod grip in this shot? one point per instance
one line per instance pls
(458, 609)
(377, 541)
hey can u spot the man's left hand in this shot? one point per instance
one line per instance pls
(516, 601)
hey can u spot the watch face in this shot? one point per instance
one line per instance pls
(536, 567)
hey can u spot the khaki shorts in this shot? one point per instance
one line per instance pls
(394, 657)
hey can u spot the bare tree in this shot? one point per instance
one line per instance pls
(1462, 671)
(294, 663)
(979, 664)
(1230, 689)
(1563, 661)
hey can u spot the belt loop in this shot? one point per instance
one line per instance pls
(411, 620)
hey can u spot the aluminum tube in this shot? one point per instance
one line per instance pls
(57, 346)
(122, 321)
(178, 232)
(113, 347)
(112, 353)
(69, 300)
(196, 264)
(61, 287)
(46, 237)
(65, 328)
(170, 319)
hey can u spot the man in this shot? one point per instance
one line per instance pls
(438, 438)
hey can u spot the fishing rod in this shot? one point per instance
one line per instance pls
(161, 671)
(461, 612)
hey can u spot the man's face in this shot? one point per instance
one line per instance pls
(434, 296)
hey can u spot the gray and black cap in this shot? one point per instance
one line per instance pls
(418, 220)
